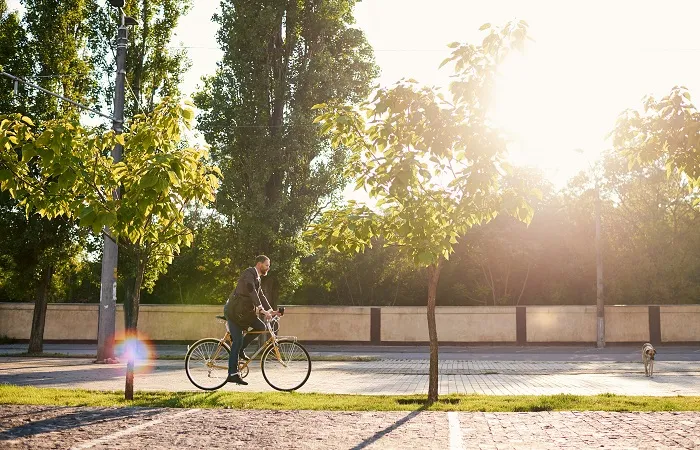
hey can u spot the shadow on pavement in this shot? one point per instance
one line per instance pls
(380, 434)
(68, 374)
(39, 411)
(56, 378)
(75, 419)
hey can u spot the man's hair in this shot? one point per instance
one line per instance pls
(261, 259)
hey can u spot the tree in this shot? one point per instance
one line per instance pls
(196, 275)
(280, 58)
(652, 223)
(432, 165)
(33, 250)
(77, 177)
(493, 263)
(57, 36)
(43, 47)
(666, 133)
(666, 136)
(154, 66)
(15, 59)
(380, 276)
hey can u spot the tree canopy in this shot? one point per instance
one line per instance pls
(434, 165)
(280, 58)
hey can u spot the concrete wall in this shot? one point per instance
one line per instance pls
(327, 323)
(454, 324)
(627, 324)
(561, 324)
(680, 323)
(16, 320)
(538, 324)
(183, 322)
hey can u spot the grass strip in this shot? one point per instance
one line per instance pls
(29, 395)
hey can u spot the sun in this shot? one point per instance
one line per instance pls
(550, 101)
(523, 106)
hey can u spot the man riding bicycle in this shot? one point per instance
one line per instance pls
(242, 311)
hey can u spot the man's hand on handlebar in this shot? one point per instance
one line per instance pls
(269, 314)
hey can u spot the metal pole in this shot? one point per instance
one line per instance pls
(108, 281)
(600, 304)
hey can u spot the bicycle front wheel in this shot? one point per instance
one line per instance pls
(206, 364)
(286, 366)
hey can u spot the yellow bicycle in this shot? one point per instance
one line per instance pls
(285, 363)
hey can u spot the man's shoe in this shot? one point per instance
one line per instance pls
(236, 379)
(243, 356)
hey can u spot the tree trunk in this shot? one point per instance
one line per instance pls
(131, 317)
(433, 277)
(36, 339)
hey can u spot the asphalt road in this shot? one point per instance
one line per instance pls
(618, 353)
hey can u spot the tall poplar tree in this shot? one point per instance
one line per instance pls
(281, 57)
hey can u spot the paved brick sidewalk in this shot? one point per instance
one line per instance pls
(381, 377)
(40, 427)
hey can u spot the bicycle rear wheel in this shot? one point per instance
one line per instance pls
(286, 366)
(206, 364)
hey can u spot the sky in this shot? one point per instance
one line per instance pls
(590, 61)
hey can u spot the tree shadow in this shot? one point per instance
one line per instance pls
(59, 378)
(380, 434)
(61, 375)
(39, 411)
(75, 419)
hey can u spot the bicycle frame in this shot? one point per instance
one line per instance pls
(271, 341)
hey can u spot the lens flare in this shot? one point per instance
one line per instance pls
(140, 349)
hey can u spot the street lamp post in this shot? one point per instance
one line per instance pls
(600, 303)
(108, 281)
(600, 300)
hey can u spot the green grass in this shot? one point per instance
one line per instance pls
(20, 395)
(175, 357)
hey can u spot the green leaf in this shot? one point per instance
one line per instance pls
(84, 211)
(149, 180)
(120, 139)
(28, 152)
(27, 120)
(445, 61)
(107, 218)
(188, 114)
(425, 258)
(173, 177)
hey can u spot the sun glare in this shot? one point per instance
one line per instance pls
(527, 105)
(548, 102)
(141, 350)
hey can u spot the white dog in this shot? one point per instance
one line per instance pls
(648, 354)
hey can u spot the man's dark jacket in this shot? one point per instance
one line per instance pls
(248, 294)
